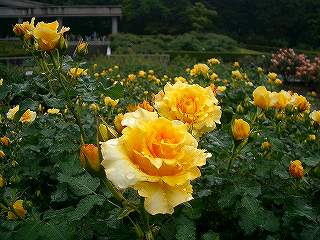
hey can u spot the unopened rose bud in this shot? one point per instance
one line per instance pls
(266, 145)
(63, 44)
(240, 129)
(5, 140)
(296, 169)
(89, 157)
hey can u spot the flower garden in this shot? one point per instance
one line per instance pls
(220, 151)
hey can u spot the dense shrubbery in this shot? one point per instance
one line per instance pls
(256, 177)
(128, 43)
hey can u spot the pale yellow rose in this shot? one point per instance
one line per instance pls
(236, 74)
(28, 116)
(24, 29)
(110, 101)
(279, 100)
(192, 104)
(47, 35)
(214, 77)
(53, 111)
(160, 165)
(261, 97)
(213, 61)
(315, 116)
(12, 112)
(200, 69)
(272, 76)
(181, 79)
(236, 64)
(77, 72)
(300, 102)
(1, 82)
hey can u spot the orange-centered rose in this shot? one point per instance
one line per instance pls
(157, 157)
(192, 104)
(47, 35)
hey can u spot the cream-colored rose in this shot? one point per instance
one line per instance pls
(12, 112)
(192, 104)
(160, 165)
(315, 116)
(47, 35)
(279, 100)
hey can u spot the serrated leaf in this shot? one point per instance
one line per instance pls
(80, 185)
(186, 228)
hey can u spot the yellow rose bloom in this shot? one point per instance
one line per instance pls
(1, 82)
(18, 210)
(279, 100)
(160, 165)
(77, 72)
(236, 64)
(181, 79)
(260, 70)
(47, 35)
(296, 169)
(12, 112)
(94, 107)
(2, 154)
(5, 140)
(200, 69)
(315, 116)
(131, 77)
(2, 181)
(300, 102)
(146, 106)
(24, 29)
(278, 81)
(53, 111)
(221, 89)
(312, 137)
(261, 97)
(272, 76)
(192, 104)
(82, 48)
(213, 61)
(28, 116)
(240, 129)
(236, 75)
(141, 74)
(110, 101)
(266, 145)
(214, 77)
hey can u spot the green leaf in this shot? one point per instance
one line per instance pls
(210, 236)
(186, 228)
(81, 185)
(311, 161)
(84, 206)
(4, 90)
(115, 91)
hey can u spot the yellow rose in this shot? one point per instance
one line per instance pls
(260, 70)
(214, 77)
(141, 74)
(5, 140)
(236, 64)
(213, 61)
(1, 82)
(200, 69)
(266, 145)
(131, 77)
(53, 111)
(261, 97)
(315, 116)
(160, 165)
(82, 48)
(221, 89)
(18, 210)
(278, 81)
(300, 102)
(24, 29)
(279, 100)
(312, 137)
(272, 76)
(110, 101)
(240, 129)
(47, 35)
(12, 112)
(192, 104)
(77, 72)
(94, 107)
(28, 116)
(296, 169)
(2, 181)
(146, 105)
(2, 154)
(89, 157)
(237, 74)
(181, 79)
